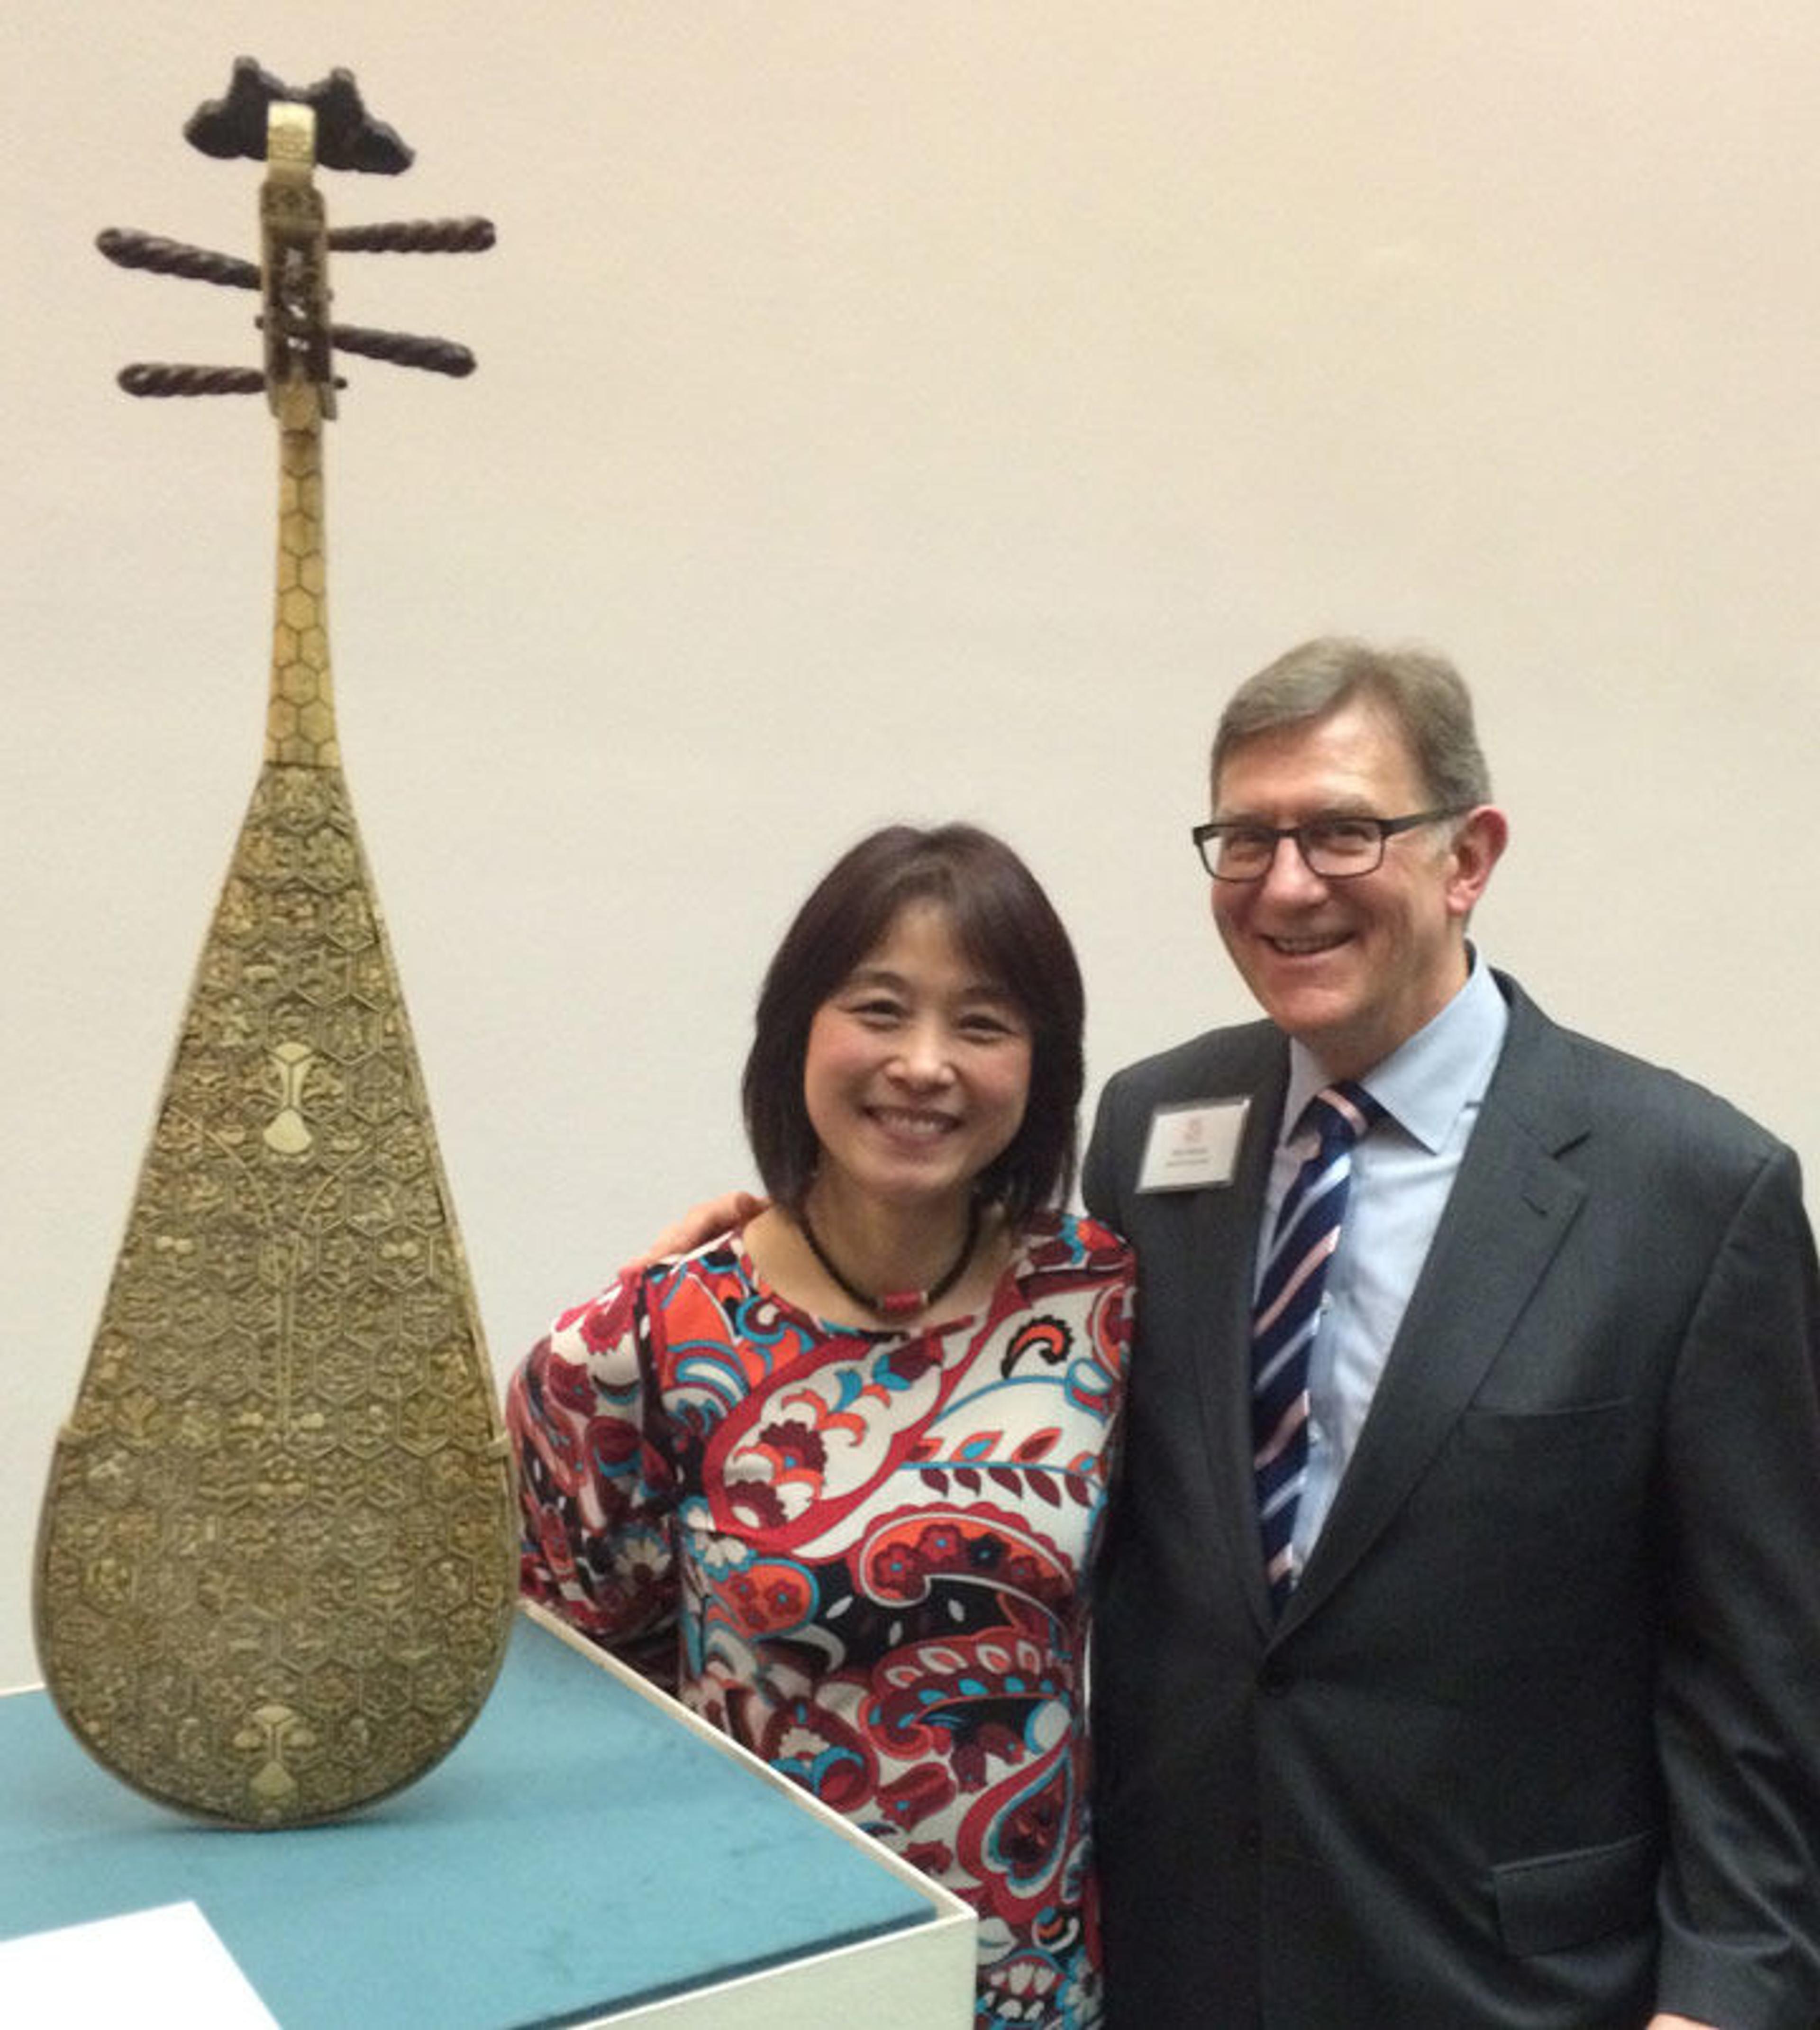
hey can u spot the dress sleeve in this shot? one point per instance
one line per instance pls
(596, 1488)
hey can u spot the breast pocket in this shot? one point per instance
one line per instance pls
(1555, 1469)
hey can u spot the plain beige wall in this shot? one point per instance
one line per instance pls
(886, 410)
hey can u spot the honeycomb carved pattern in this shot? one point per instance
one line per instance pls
(276, 1568)
(300, 712)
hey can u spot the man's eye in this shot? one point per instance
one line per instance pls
(1344, 836)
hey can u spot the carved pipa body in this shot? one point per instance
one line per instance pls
(275, 1570)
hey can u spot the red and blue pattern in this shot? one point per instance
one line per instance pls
(864, 1554)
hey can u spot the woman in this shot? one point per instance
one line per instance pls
(837, 1477)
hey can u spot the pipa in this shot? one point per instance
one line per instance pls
(275, 1566)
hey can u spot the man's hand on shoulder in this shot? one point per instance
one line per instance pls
(703, 1222)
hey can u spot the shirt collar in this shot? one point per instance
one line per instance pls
(1425, 1082)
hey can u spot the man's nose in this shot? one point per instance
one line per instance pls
(1289, 878)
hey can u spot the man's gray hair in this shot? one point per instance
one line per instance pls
(1421, 693)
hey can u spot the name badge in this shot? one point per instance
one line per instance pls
(1192, 1145)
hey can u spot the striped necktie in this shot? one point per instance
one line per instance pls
(1287, 1315)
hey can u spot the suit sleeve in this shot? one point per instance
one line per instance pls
(1099, 1171)
(1738, 1700)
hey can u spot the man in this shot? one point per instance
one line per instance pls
(1529, 1735)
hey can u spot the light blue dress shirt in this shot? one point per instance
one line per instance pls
(1430, 1089)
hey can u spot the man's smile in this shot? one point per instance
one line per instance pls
(1306, 947)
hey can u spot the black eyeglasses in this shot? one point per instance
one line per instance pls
(1336, 848)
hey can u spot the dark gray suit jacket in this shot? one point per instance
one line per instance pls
(1537, 1742)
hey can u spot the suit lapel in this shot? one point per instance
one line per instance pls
(1511, 1207)
(1226, 1247)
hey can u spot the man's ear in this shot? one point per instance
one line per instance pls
(1478, 843)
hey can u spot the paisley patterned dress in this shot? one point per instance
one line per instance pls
(863, 1554)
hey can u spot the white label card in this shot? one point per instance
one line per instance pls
(161, 1969)
(1193, 1145)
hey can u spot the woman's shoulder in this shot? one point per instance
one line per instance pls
(1054, 1239)
(604, 1336)
(647, 1283)
(599, 1321)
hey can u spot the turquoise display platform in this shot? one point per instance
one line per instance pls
(582, 1850)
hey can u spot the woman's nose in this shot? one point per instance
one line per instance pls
(923, 1057)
